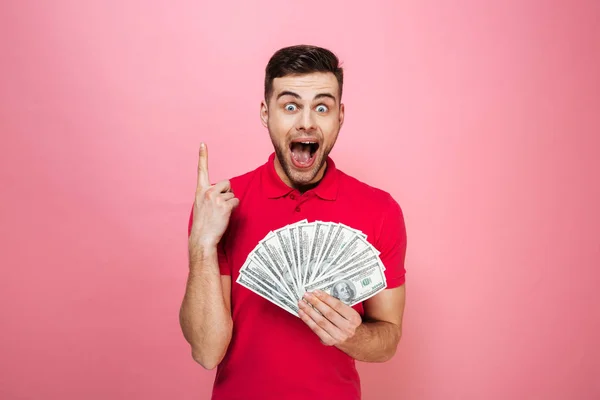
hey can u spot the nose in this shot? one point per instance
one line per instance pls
(306, 120)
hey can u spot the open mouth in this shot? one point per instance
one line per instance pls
(303, 152)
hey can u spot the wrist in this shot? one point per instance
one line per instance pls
(202, 253)
(203, 241)
(358, 337)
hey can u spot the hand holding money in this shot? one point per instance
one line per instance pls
(332, 320)
(308, 256)
(212, 208)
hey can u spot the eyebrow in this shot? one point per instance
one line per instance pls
(296, 95)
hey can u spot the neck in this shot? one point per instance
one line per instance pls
(307, 187)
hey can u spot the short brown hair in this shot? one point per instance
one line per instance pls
(301, 59)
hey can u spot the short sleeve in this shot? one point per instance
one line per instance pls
(224, 267)
(391, 242)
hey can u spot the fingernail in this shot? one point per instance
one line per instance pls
(307, 295)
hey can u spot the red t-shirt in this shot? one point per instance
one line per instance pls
(273, 354)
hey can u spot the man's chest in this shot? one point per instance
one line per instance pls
(255, 220)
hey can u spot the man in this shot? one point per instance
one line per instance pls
(262, 351)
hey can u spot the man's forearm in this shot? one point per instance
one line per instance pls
(205, 320)
(374, 341)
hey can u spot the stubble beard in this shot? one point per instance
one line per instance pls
(296, 178)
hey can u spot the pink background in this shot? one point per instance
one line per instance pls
(481, 118)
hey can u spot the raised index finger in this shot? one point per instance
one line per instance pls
(203, 180)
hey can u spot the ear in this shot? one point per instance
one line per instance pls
(264, 113)
(342, 108)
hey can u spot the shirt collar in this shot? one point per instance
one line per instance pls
(274, 187)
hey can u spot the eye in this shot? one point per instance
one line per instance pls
(322, 108)
(290, 107)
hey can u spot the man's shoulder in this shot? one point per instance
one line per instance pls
(364, 192)
(383, 211)
(245, 178)
(242, 182)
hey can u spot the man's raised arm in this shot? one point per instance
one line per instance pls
(205, 314)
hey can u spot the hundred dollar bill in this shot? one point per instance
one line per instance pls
(268, 293)
(353, 288)
(329, 235)
(305, 237)
(342, 236)
(293, 232)
(363, 260)
(278, 257)
(348, 264)
(261, 256)
(315, 249)
(254, 269)
(283, 244)
(264, 262)
(356, 245)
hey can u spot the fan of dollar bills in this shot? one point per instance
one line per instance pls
(304, 256)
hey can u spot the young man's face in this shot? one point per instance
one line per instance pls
(303, 116)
